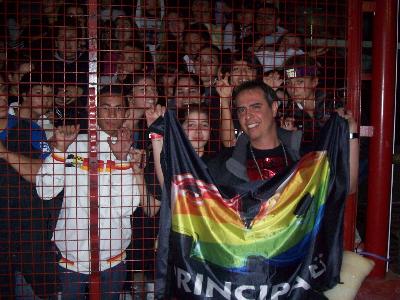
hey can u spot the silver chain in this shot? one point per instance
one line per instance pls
(255, 160)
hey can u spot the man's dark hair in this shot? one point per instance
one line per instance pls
(269, 93)
(35, 78)
(109, 90)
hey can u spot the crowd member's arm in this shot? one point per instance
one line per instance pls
(157, 140)
(227, 129)
(354, 149)
(27, 167)
(149, 203)
(50, 177)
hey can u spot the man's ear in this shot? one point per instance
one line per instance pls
(274, 108)
(315, 82)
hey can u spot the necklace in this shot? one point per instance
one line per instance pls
(255, 160)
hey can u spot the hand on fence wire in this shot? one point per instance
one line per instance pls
(224, 90)
(138, 160)
(120, 147)
(65, 136)
(348, 115)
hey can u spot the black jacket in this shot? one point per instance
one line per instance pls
(229, 167)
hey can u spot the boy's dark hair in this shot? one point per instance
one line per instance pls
(113, 89)
(269, 93)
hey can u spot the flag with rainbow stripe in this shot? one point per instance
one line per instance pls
(291, 248)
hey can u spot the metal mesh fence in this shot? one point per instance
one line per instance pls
(80, 81)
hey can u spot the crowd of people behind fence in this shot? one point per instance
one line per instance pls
(186, 56)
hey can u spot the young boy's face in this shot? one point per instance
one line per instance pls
(302, 88)
(111, 113)
(40, 99)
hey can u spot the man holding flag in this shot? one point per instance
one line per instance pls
(266, 150)
(256, 223)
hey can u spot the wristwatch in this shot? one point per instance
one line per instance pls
(353, 135)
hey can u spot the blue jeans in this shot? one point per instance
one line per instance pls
(74, 284)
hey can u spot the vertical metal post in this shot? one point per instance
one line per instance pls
(354, 69)
(382, 119)
(94, 285)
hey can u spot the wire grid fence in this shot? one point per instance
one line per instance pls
(79, 213)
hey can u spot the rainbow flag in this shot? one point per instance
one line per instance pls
(290, 249)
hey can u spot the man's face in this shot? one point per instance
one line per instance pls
(197, 129)
(111, 113)
(255, 116)
(187, 92)
(40, 100)
(302, 88)
(241, 72)
(266, 21)
(67, 42)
